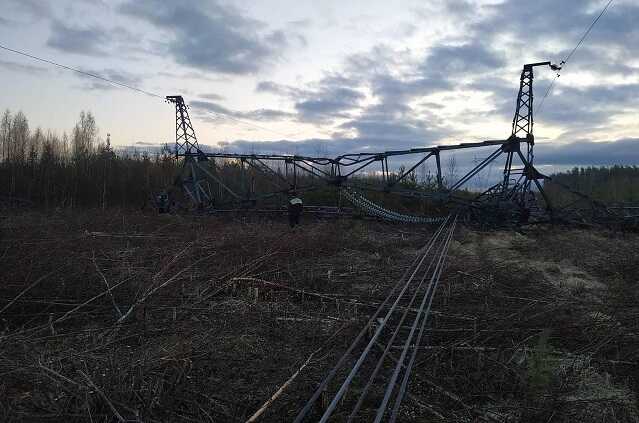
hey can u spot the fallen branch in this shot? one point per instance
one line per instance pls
(97, 268)
(288, 288)
(279, 392)
(68, 313)
(24, 291)
(104, 397)
(157, 288)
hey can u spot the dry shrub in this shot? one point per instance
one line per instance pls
(211, 345)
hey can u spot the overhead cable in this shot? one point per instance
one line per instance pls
(130, 87)
(572, 52)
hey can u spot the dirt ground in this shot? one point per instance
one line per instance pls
(119, 316)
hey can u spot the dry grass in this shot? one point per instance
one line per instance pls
(221, 312)
(131, 317)
(520, 341)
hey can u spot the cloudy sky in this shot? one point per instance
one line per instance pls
(325, 77)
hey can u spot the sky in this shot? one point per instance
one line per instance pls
(329, 77)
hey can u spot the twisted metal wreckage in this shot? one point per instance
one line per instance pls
(519, 195)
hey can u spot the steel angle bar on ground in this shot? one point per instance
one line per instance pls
(411, 270)
(403, 386)
(422, 315)
(389, 345)
(345, 385)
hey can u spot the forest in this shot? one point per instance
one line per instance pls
(609, 184)
(44, 169)
(80, 169)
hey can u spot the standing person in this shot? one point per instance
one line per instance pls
(294, 210)
(162, 201)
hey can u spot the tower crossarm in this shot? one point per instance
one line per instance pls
(523, 121)
(185, 138)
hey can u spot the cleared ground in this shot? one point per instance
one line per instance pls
(124, 316)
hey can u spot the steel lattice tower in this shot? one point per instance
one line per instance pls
(186, 146)
(185, 139)
(515, 192)
(519, 190)
(523, 120)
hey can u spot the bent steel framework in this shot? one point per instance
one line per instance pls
(200, 175)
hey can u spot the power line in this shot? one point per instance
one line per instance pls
(583, 37)
(141, 91)
(548, 90)
(563, 62)
(22, 53)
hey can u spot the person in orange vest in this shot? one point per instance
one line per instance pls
(295, 207)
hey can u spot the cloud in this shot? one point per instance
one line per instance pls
(21, 67)
(448, 61)
(491, 39)
(266, 115)
(116, 75)
(212, 96)
(383, 119)
(597, 59)
(393, 132)
(30, 9)
(90, 41)
(210, 36)
(330, 98)
(533, 26)
(398, 93)
(328, 103)
(623, 152)
(214, 112)
(341, 97)
(576, 110)
(391, 115)
(579, 111)
(534, 22)
(280, 89)
(532, 34)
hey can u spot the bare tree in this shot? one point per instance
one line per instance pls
(5, 134)
(84, 137)
(19, 138)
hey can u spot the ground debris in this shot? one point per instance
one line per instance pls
(233, 319)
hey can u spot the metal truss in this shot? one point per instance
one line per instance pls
(517, 181)
(191, 179)
(185, 139)
(284, 174)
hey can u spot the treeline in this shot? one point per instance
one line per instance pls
(608, 184)
(76, 169)
(80, 169)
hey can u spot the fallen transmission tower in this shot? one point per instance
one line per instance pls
(255, 178)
